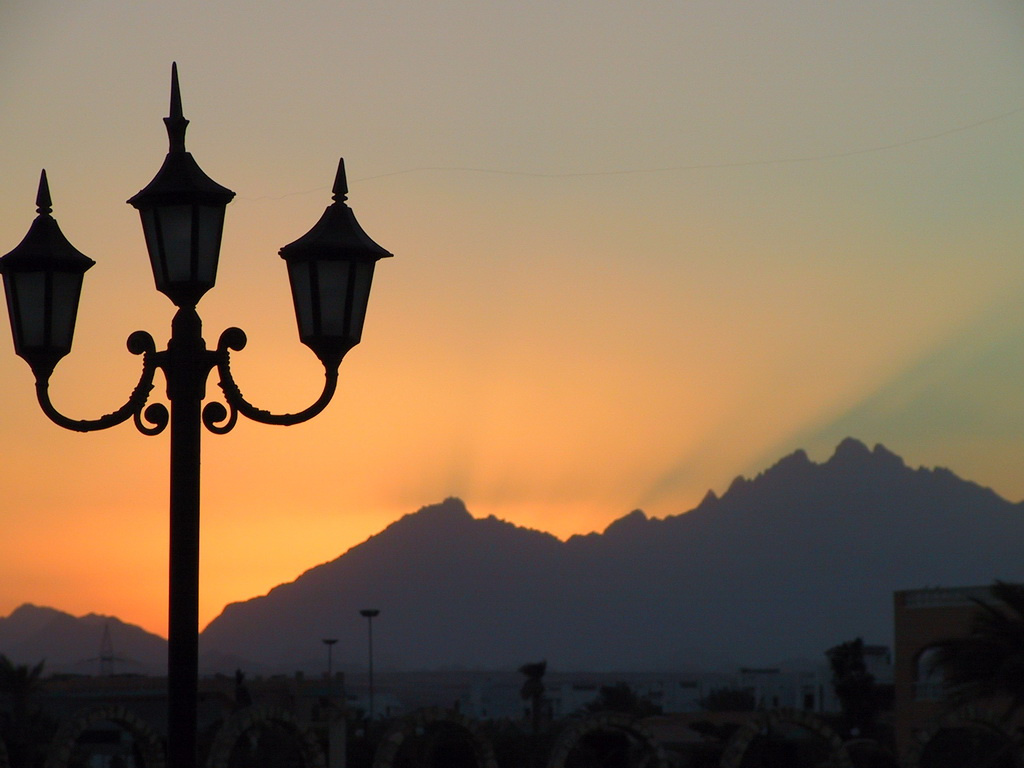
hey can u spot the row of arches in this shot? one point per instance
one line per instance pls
(971, 736)
(148, 745)
(434, 737)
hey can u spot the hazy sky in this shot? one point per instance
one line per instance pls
(640, 249)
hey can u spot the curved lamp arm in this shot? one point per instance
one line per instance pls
(139, 343)
(220, 420)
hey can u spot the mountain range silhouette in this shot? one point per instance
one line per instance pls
(73, 645)
(782, 566)
(779, 568)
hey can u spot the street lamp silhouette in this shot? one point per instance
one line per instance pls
(182, 210)
(369, 613)
(329, 642)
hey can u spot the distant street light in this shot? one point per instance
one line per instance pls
(329, 642)
(182, 211)
(370, 613)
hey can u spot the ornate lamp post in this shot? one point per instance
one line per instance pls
(330, 269)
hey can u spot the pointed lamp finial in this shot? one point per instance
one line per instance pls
(175, 91)
(44, 205)
(340, 189)
(175, 121)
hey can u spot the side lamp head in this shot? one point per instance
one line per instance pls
(43, 284)
(330, 269)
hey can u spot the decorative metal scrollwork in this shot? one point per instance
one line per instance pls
(220, 420)
(139, 343)
(157, 416)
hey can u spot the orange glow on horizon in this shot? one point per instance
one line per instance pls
(630, 265)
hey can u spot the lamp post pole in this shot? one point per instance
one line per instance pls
(369, 614)
(185, 390)
(330, 269)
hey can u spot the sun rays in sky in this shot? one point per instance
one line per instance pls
(639, 250)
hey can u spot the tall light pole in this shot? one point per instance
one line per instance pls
(182, 211)
(369, 614)
(329, 642)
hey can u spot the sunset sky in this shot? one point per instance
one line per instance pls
(641, 248)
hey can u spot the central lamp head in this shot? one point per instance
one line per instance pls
(182, 212)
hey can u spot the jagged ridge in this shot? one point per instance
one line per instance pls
(801, 556)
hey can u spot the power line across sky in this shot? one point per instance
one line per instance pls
(665, 168)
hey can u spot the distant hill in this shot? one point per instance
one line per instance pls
(75, 645)
(782, 566)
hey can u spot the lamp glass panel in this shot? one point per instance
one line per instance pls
(152, 233)
(176, 238)
(334, 278)
(302, 297)
(360, 298)
(211, 225)
(67, 287)
(30, 292)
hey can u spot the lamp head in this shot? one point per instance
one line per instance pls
(182, 212)
(43, 283)
(330, 269)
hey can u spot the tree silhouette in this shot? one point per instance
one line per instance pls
(533, 692)
(854, 685)
(533, 689)
(19, 681)
(22, 726)
(988, 662)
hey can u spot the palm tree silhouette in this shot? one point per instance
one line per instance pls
(987, 664)
(23, 727)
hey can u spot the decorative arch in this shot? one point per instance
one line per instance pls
(861, 745)
(928, 676)
(614, 722)
(764, 722)
(253, 717)
(969, 717)
(416, 723)
(150, 744)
